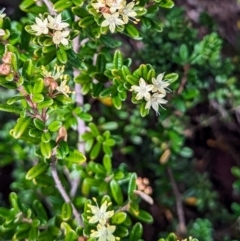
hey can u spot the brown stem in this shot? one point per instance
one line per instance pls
(179, 205)
(49, 7)
(184, 78)
(81, 127)
(63, 192)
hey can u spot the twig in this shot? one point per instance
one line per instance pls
(49, 7)
(184, 78)
(180, 212)
(63, 192)
(80, 123)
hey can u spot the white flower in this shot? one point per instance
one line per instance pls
(104, 233)
(115, 5)
(154, 102)
(111, 20)
(99, 4)
(40, 27)
(2, 32)
(56, 74)
(64, 88)
(60, 37)
(56, 23)
(127, 12)
(142, 90)
(160, 85)
(101, 214)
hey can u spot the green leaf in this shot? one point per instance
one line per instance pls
(60, 5)
(118, 218)
(80, 12)
(46, 103)
(165, 3)
(101, 63)
(75, 60)
(66, 211)
(27, 69)
(109, 142)
(86, 22)
(117, 102)
(171, 77)
(37, 170)
(14, 201)
(26, 4)
(95, 151)
(46, 59)
(4, 213)
(62, 150)
(136, 232)
(46, 137)
(107, 163)
(14, 99)
(20, 127)
(44, 180)
(38, 86)
(107, 92)
(37, 98)
(62, 56)
(132, 80)
(184, 53)
(132, 185)
(111, 125)
(76, 157)
(110, 42)
(133, 32)
(46, 149)
(33, 233)
(39, 210)
(143, 110)
(94, 129)
(116, 192)
(118, 60)
(142, 215)
(78, 2)
(85, 116)
(39, 124)
(10, 108)
(54, 126)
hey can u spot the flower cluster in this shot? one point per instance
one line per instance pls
(51, 78)
(152, 93)
(115, 12)
(52, 26)
(100, 217)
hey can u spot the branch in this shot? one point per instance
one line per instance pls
(80, 123)
(184, 78)
(180, 212)
(49, 6)
(63, 192)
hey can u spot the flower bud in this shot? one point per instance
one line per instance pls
(53, 85)
(5, 69)
(7, 58)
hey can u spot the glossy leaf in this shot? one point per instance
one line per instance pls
(136, 232)
(66, 211)
(37, 170)
(116, 192)
(21, 126)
